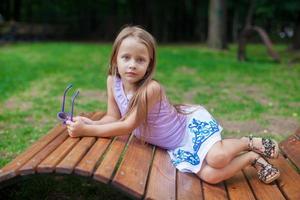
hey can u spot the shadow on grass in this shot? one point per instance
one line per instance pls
(48, 187)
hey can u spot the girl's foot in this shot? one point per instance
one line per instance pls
(266, 172)
(264, 146)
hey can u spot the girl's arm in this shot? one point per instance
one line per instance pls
(112, 114)
(111, 129)
(120, 127)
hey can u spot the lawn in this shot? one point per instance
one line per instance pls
(258, 96)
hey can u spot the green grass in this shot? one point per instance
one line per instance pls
(34, 75)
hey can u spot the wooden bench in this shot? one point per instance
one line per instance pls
(145, 171)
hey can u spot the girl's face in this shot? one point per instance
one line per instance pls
(132, 60)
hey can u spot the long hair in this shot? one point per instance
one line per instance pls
(139, 100)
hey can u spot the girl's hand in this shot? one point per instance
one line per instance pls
(76, 128)
(85, 120)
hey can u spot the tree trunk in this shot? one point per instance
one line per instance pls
(235, 26)
(296, 37)
(249, 17)
(111, 20)
(248, 30)
(265, 38)
(17, 10)
(217, 24)
(5, 9)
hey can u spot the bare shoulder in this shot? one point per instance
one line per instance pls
(154, 87)
(109, 80)
(154, 91)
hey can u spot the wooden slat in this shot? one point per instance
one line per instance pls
(289, 180)
(106, 168)
(133, 171)
(10, 170)
(189, 186)
(238, 188)
(215, 192)
(88, 163)
(261, 190)
(48, 165)
(67, 165)
(291, 148)
(162, 180)
(30, 166)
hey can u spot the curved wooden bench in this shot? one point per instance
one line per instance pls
(142, 170)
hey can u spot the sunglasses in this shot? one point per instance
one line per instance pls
(62, 115)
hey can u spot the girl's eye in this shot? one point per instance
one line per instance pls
(140, 60)
(125, 57)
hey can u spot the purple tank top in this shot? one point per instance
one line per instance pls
(166, 127)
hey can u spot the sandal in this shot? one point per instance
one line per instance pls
(271, 149)
(267, 173)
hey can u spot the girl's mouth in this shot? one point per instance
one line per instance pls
(130, 73)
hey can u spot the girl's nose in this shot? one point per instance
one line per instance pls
(132, 65)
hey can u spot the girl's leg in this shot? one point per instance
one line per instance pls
(222, 152)
(214, 175)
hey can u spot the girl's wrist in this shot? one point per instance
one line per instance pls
(85, 129)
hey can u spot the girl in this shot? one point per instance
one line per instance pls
(138, 104)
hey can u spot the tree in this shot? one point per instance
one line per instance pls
(296, 38)
(217, 24)
(248, 30)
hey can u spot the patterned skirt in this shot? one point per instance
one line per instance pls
(202, 132)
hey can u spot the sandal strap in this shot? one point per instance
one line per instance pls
(269, 147)
(250, 143)
(267, 171)
(268, 144)
(256, 162)
(253, 163)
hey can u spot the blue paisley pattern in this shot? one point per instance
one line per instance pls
(202, 130)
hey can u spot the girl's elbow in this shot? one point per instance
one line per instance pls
(129, 126)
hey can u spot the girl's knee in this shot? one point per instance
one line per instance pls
(214, 180)
(217, 159)
(211, 178)
(209, 175)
